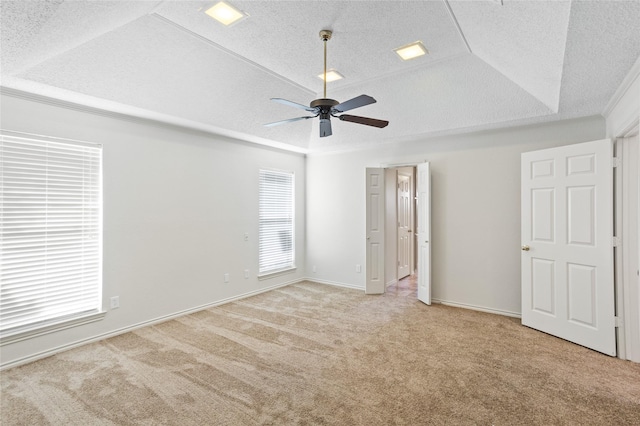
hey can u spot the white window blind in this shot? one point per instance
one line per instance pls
(50, 232)
(276, 250)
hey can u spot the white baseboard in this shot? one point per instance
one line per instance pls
(334, 283)
(66, 347)
(392, 282)
(478, 308)
(62, 348)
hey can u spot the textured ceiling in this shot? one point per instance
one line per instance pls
(491, 63)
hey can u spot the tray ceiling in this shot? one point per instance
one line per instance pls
(490, 63)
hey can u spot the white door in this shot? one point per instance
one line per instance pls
(405, 235)
(375, 231)
(567, 247)
(424, 232)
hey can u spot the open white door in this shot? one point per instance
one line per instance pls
(423, 188)
(375, 231)
(405, 234)
(567, 244)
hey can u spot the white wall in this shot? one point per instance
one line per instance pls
(176, 206)
(475, 216)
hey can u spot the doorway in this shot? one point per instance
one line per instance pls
(404, 218)
(399, 219)
(398, 227)
(405, 287)
(627, 257)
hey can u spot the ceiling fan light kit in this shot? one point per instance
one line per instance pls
(326, 108)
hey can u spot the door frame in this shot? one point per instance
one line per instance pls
(627, 254)
(412, 212)
(386, 168)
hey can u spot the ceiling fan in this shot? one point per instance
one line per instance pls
(327, 108)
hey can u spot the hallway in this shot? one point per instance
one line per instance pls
(406, 287)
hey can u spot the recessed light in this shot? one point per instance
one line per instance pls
(332, 75)
(411, 51)
(225, 13)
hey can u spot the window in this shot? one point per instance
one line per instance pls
(50, 234)
(276, 223)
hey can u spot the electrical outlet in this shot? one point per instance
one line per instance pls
(115, 302)
(314, 269)
(226, 277)
(246, 236)
(358, 268)
(246, 274)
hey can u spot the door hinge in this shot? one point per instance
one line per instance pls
(615, 162)
(616, 241)
(619, 322)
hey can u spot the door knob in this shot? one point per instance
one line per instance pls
(525, 248)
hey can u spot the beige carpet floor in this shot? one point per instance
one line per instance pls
(315, 354)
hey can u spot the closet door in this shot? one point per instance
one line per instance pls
(375, 231)
(423, 188)
(567, 243)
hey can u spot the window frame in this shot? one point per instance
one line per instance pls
(289, 266)
(96, 311)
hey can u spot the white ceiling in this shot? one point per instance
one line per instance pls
(491, 63)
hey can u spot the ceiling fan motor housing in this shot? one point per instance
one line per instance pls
(324, 107)
(325, 35)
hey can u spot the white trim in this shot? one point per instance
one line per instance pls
(277, 273)
(621, 91)
(52, 328)
(457, 25)
(400, 165)
(618, 249)
(118, 111)
(622, 114)
(628, 263)
(62, 348)
(334, 283)
(390, 283)
(477, 308)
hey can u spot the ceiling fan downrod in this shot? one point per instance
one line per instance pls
(325, 35)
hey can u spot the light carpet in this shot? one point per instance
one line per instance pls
(313, 354)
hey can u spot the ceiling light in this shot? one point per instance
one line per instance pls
(332, 75)
(225, 13)
(411, 51)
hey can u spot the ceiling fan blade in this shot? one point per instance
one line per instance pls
(293, 104)
(325, 127)
(364, 120)
(291, 120)
(356, 102)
